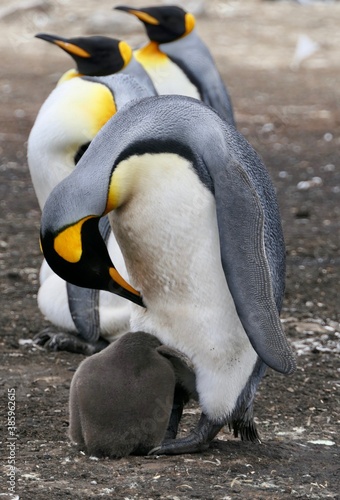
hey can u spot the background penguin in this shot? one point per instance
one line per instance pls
(67, 122)
(196, 216)
(177, 60)
(121, 398)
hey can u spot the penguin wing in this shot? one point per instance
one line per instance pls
(183, 367)
(210, 86)
(136, 70)
(84, 302)
(195, 60)
(241, 222)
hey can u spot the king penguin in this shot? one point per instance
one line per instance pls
(67, 122)
(177, 59)
(121, 398)
(195, 214)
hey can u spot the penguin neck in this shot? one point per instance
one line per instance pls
(135, 69)
(183, 43)
(166, 75)
(71, 73)
(150, 55)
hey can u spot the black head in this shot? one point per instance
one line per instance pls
(72, 254)
(163, 24)
(94, 55)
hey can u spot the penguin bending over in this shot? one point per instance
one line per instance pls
(196, 217)
(121, 398)
(67, 122)
(177, 59)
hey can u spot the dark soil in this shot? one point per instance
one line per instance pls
(292, 118)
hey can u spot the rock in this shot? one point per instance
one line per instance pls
(305, 47)
(310, 327)
(314, 182)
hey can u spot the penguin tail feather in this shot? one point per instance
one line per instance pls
(246, 430)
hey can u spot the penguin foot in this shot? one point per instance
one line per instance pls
(64, 341)
(197, 441)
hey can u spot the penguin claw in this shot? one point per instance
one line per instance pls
(64, 341)
(179, 446)
(197, 441)
(154, 451)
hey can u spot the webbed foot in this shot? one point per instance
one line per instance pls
(197, 441)
(64, 341)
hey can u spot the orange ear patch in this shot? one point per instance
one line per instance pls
(68, 243)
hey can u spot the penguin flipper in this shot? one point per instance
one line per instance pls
(84, 302)
(201, 70)
(241, 224)
(184, 369)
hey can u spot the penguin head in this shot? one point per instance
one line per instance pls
(93, 55)
(70, 252)
(163, 24)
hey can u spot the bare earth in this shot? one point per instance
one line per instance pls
(292, 117)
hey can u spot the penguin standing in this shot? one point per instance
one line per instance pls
(67, 122)
(121, 398)
(177, 59)
(195, 214)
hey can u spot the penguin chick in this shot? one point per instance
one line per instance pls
(99, 56)
(177, 59)
(67, 122)
(121, 398)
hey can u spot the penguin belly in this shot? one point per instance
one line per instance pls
(167, 77)
(169, 237)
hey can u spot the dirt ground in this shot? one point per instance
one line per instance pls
(289, 111)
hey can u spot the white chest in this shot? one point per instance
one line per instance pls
(170, 79)
(169, 238)
(167, 77)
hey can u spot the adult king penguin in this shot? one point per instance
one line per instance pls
(67, 122)
(195, 214)
(177, 59)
